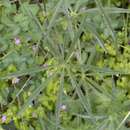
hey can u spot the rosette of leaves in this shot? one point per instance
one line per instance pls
(63, 69)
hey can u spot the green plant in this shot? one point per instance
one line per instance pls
(59, 61)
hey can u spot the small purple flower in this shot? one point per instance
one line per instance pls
(63, 107)
(17, 41)
(3, 118)
(128, 1)
(128, 42)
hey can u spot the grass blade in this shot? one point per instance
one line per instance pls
(109, 10)
(51, 23)
(76, 37)
(59, 100)
(91, 28)
(107, 21)
(80, 94)
(25, 72)
(35, 93)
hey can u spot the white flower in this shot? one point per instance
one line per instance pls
(15, 80)
(63, 107)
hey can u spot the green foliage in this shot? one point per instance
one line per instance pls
(64, 65)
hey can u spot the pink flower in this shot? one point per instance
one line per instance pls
(17, 41)
(3, 118)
